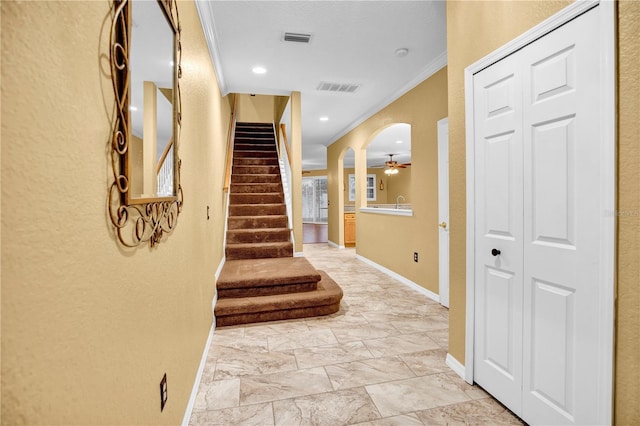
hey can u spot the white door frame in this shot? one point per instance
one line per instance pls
(443, 211)
(607, 191)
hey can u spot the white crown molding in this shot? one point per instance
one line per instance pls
(431, 68)
(208, 27)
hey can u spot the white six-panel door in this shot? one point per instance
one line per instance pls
(562, 224)
(499, 227)
(538, 234)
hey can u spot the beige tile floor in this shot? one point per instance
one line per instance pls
(379, 361)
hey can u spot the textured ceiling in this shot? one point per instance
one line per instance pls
(351, 42)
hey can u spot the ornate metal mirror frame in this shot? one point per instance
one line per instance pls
(136, 217)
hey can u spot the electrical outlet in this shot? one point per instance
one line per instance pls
(415, 256)
(163, 391)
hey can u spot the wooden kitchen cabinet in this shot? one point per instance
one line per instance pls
(349, 229)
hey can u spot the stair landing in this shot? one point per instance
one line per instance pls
(325, 300)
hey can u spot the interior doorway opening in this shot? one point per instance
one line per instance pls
(315, 210)
(315, 203)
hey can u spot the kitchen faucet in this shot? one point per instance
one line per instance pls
(397, 199)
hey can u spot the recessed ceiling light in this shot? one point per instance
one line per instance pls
(133, 108)
(401, 52)
(398, 141)
(259, 70)
(324, 118)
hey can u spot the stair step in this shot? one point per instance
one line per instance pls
(251, 124)
(264, 235)
(249, 132)
(259, 250)
(266, 276)
(254, 169)
(272, 162)
(266, 198)
(267, 290)
(255, 178)
(255, 154)
(257, 222)
(253, 135)
(254, 146)
(324, 300)
(257, 209)
(254, 188)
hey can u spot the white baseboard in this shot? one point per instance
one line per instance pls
(213, 306)
(298, 254)
(203, 360)
(417, 287)
(455, 365)
(334, 245)
(196, 383)
(215, 294)
(220, 266)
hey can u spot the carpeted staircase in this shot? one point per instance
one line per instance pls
(261, 280)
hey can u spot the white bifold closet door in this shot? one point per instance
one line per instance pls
(537, 214)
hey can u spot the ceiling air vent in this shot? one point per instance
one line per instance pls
(297, 37)
(326, 86)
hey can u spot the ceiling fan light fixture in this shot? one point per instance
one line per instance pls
(391, 171)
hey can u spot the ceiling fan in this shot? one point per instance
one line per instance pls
(391, 166)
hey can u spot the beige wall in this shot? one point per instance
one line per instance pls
(627, 388)
(1, 327)
(279, 105)
(421, 107)
(468, 39)
(88, 327)
(256, 109)
(397, 185)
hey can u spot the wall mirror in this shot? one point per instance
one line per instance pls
(145, 198)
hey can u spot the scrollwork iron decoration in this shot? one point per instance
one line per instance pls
(143, 220)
